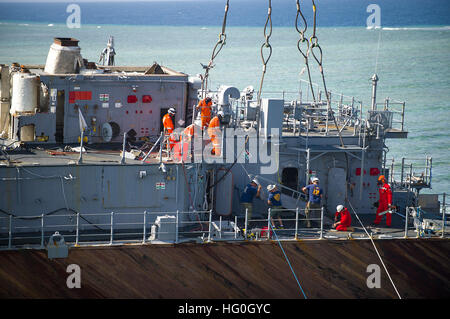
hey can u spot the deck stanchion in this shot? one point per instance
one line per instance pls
(406, 222)
(145, 227)
(419, 230)
(112, 229)
(268, 223)
(176, 228)
(10, 232)
(443, 216)
(77, 230)
(235, 227)
(296, 223)
(210, 224)
(220, 227)
(403, 115)
(246, 223)
(42, 230)
(321, 223)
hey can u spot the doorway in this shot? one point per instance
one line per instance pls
(59, 132)
(289, 178)
(161, 115)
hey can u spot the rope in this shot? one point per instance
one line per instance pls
(376, 250)
(217, 48)
(303, 39)
(315, 44)
(287, 260)
(266, 44)
(229, 169)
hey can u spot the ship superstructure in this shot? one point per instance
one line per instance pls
(115, 177)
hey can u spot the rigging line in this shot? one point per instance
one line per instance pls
(376, 250)
(302, 40)
(315, 44)
(266, 44)
(229, 169)
(189, 193)
(287, 260)
(217, 48)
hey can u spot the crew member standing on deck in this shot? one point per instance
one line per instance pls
(384, 202)
(205, 111)
(250, 191)
(168, 121)
(314, 192)
(274, 202)
(215, 133)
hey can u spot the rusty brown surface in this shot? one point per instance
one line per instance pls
(325, 269)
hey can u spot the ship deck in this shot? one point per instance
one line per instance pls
(56, 156)
(381, 231)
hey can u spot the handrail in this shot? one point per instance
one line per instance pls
(200, 227)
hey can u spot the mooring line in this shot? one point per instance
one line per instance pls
(370, 237)
(287, 259)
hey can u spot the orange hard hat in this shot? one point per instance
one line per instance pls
(381, 178)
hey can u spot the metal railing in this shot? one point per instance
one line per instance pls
(139, 227)
(427, 225)
(410, 172)
(397, 108)
(302, 113)
(176, 227)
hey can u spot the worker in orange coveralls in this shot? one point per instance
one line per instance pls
(189, 132)
(184, 148)
(205, 110)
(168, 121)
(346, 219)
(384, 202)
(214, 132)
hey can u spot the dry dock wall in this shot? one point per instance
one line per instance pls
(326, 269)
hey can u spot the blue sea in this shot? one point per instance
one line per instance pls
(410, 52)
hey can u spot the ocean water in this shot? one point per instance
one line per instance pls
(410, 53)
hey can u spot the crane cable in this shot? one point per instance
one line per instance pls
(217, 48)
(304, 39)
(315, 44)
(266, 44)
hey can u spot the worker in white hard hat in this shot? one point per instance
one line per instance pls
(168, 124)
(274, 202)
(253, 189)
(345, 221)
(315, 193)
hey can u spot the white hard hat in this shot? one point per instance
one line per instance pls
(271, 187)
(339, 208)
(314, 179)
(172, 111)
(255, 181)
(221, 113)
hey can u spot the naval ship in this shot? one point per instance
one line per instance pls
(88, 176)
